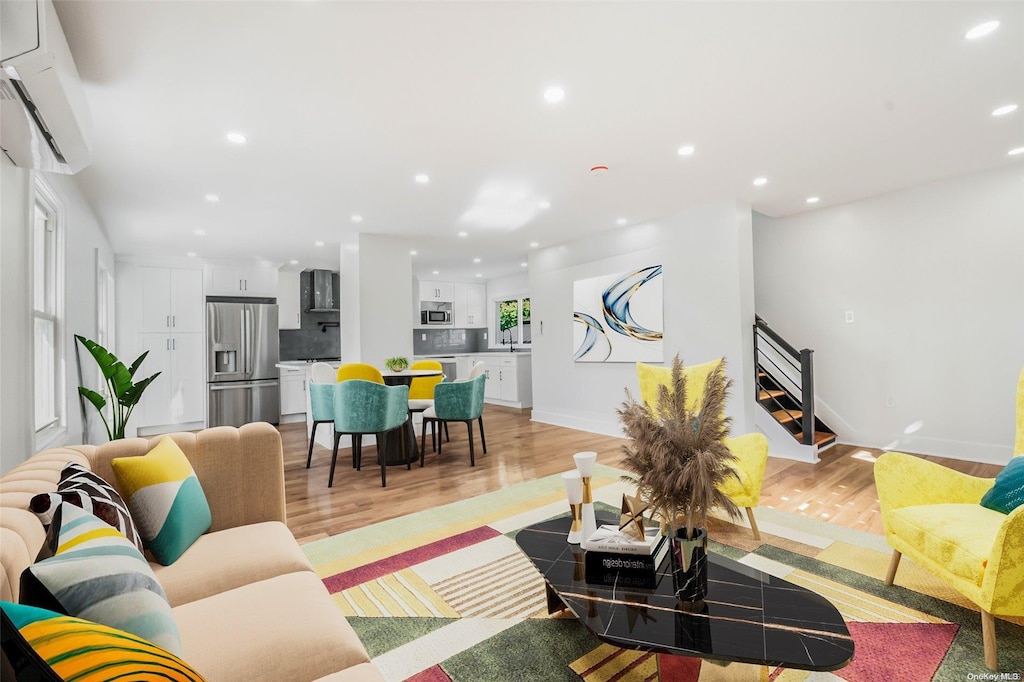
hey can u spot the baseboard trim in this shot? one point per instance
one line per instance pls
(983, 453)
(569, 421)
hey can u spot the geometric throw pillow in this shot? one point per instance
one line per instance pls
(84, 489)
(43, 645)
(1008, 492)
(87, 569)
(166, 500)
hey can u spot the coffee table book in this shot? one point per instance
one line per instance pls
(610, 539)
(627, 570)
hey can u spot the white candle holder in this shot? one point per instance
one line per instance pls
(585, 465)
(574, 491)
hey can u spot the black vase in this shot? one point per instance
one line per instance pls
(690, 565)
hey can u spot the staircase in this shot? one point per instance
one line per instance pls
(785, 387)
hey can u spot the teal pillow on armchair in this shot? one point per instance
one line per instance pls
(1008, 492)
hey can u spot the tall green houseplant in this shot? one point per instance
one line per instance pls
(121, 386)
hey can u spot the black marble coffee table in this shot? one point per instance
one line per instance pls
(748, 616)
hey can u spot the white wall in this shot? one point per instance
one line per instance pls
(84, 243)
(706, 257)
(933, 276)
(15, 316)
(385, 307)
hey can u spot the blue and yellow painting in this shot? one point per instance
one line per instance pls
(619, 318)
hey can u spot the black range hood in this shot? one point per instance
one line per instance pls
(321, 291)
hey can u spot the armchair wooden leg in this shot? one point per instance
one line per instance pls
(334, 458)
(312, 437)
(753, 524)
(472, 458)
(409, 456)
(894, 563)
(357, 450)
(441, 425)
(483, 441)
(988, 636)
(446, 436)
(423, 441)
(383, 459)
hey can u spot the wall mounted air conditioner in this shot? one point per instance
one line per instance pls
(44, 119)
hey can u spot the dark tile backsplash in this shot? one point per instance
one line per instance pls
(448, 341)
(309, 341)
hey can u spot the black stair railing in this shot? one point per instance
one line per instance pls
(802, 364)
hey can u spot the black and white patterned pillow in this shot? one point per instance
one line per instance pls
(82, 488)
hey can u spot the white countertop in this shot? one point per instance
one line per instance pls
(462, 355)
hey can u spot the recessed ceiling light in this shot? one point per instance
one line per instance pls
(237, 138)
(476, 260)
(463, 234)
(686, 150)
(357, 218)
(813, 200)
(544, 205)
(523, 264)
(294, 262)
(412, 253)
(981, 30)
(201, 233)
(620, 221)
(422, 178)
(479, 274)
(436, 272)
(534, 245)
(191, 254)
(1004, 110)
(1015, 151)
(758, 182)
(318, 242)
(554, 94)
(212, 198)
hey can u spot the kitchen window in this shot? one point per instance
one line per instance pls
(48, 360)
(512, 322)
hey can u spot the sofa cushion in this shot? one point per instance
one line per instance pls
(84, 489)
(957, 536)
(47, 646)
(230, 558)
(1008, 492)
(166, 499)
(284, 628)
(89, 570)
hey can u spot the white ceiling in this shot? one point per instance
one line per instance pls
(344, 103)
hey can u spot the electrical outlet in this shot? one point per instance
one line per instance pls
(849, 317)
(485, 336)
(890, 401)
(423, 337)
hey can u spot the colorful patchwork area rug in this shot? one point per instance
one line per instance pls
(446, 594)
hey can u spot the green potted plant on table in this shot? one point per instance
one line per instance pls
(677, 459)
(398, 363)
(125, 393)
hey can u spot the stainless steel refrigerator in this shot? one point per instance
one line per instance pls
(242, 351)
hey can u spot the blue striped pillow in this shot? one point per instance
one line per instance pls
(88, 569)
(1008, 492)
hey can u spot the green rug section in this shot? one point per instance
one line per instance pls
(411, 525)
(381, 635)
(536, 649)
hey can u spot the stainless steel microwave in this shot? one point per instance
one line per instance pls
(435, 317)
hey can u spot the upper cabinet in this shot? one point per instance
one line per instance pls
(288, 303)
(241, 280)
(468, 305)
(436, 292)
(172, 300)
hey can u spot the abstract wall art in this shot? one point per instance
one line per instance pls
(620, 317)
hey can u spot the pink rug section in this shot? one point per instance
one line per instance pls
(919, 647)
(397, 562)
(433, 674)
(679, 668)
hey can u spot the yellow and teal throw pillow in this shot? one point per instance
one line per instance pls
(89, 570)
(165, 498)
(43, 645)
(1008, 492)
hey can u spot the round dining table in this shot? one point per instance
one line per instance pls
(407, 375)
(393, 452)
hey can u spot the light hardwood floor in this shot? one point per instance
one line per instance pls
(839, 489)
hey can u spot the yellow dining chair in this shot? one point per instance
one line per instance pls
(360, 370)
(750, 449)
(932, 514)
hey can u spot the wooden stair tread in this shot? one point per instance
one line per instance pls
(820, 437)
(787, 416)
(765, 394)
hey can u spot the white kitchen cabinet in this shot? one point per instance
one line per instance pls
(435, 292)
(509, 378)
(249, 279)
(178, 395)
(289, 309)
(468, 307)
(293, 393)
(492, 389)
(508, 382)
(171, 300)
(463, 366)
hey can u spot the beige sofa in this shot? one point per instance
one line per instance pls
(247, 602)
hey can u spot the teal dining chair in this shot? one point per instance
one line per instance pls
(458, 401)
(362, 407)
(321, 400)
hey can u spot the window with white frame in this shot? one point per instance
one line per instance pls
(47, 316)
(512, 322)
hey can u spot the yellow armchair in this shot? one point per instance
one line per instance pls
(932, 514)
(750, 450)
